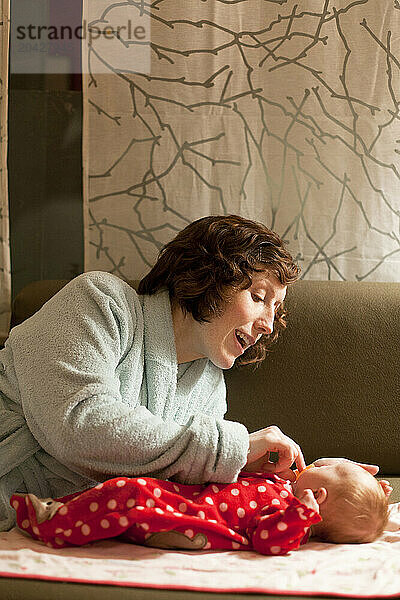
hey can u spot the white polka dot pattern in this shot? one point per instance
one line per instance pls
(238, 505)
(300, 511)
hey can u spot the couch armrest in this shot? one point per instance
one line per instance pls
(32, 297)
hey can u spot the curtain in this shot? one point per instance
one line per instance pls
(5, 272)
(283, 111)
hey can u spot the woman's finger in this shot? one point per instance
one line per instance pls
(373, 469)
(288, 474)
(320, 462)
(300, 461)
(271, 439)
(386, 487)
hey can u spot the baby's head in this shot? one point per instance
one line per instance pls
(352, 503)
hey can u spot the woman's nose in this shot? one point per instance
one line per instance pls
(265, 325)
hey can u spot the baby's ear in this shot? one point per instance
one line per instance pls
(320, 495)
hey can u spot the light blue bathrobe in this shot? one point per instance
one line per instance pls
(90, 389)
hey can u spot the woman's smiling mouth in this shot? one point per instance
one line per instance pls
(243, 340)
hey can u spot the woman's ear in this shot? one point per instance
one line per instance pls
(320, 495)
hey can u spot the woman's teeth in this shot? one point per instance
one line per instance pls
(241, 339)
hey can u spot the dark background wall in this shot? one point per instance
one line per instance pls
(45, 177)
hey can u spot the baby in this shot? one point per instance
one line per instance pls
(352, 504)
(334, 499)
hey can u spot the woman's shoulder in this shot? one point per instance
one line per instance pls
(92, 290)
(99, 277)
(102, 281)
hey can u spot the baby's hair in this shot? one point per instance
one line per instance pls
(357, 514)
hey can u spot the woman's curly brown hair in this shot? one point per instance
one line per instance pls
(213, 258)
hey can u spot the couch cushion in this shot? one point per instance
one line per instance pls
(332, 381)
(32, 297)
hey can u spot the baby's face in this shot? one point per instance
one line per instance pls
(328, 476)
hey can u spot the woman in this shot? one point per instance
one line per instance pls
(104, 381)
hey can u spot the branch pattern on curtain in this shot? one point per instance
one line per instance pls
(5, 272)
(283, 111)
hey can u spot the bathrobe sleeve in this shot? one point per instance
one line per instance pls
(71, 360)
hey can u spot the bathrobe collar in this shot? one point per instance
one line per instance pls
(159, 337)
(162, 392)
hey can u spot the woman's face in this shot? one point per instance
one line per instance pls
(250, 315)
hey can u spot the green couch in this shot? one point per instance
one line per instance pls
(331, 382)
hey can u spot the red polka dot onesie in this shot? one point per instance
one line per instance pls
(259, 512)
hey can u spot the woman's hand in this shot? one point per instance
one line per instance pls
(321, 462)
(387, 488)
(271, 439)
(372, 469)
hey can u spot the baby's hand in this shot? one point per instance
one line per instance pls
(307, 498)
